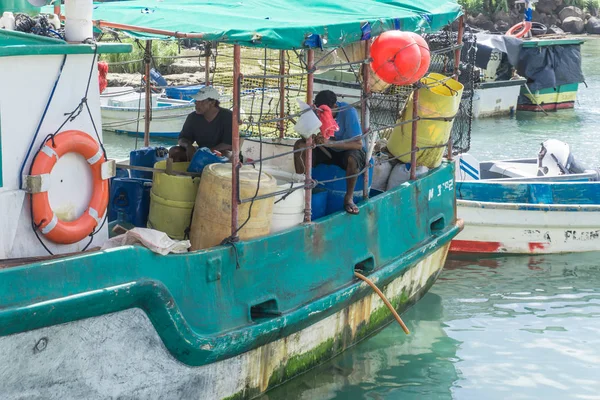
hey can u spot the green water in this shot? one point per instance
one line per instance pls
(503, 328)
(517, 327)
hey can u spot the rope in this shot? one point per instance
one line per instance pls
(385, 301)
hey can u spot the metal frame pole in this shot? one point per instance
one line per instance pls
(459, 41)
(413, 154)
(207, 50)
(235, 141)
(281, 123)
(364, 111)
(309, 142)
(57, 9)
(148, 102)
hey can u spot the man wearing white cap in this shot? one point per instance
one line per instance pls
(208, 126)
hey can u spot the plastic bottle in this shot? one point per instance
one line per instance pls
(54, 20)
(7, 21)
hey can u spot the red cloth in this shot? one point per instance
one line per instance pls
(328, 124)
(102, 72)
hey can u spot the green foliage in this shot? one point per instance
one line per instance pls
(487, 7)
(133, 62)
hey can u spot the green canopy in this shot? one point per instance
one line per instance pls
(280, 24)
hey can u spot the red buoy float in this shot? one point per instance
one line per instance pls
(396, 57)
(425, 57)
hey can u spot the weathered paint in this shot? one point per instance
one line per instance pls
(527, 229)
(496, 98)
(120, 354)
(550, 99)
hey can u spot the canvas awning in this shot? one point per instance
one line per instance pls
(280, 24)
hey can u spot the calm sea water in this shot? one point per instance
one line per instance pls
(513, 327)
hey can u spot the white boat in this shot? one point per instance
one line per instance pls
(123, 112)
(527, 205)
(496, 98)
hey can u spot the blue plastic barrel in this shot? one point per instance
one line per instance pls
(183, 93)
(130, 199)
(204, 157)
(146, 157)
(318, 204)
(336, 191)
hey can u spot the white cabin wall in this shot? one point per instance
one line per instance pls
(25, 86)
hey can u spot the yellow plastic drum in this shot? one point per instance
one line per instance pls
(172, 201)
(212, 214)
(439, 99)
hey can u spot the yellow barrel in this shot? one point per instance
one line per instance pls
(172, 200)
(440, 98)
(211, 222)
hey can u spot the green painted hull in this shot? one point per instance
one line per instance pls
(210, 311)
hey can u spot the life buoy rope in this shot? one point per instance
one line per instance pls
(44, 218)
(519, 30)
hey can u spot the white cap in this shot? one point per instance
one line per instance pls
(207, 92)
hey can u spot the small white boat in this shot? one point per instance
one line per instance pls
(122, 111)
(545, 205)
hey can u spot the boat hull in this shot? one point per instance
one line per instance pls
(552, 99)
(516, 228)
(493, 99)
(166, 121)
(121, 354)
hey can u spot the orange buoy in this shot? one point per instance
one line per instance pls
(396, 57)
(519, 30)
(68, 232)
(425, 57)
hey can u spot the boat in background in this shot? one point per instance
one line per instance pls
(550, 204)
(122, 110)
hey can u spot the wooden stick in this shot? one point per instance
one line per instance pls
(385, 301)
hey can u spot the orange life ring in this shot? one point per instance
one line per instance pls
(68, 232)
(519, 30)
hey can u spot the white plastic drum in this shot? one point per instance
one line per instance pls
(288, 211)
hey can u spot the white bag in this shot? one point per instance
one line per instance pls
(401, 174)
(154, 240)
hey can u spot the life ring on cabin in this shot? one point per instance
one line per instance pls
(44, 218)
(519, 30)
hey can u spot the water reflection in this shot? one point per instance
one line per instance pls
(389, 365)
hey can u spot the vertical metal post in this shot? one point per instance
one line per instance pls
(148, 103)
(207, 51)
(309, 142)
(57, 9)
(459, 41)
(413, 147)
(364, 112)
(235, 141)
(281, 123)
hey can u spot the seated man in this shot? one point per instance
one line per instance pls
(350, 155)
(208, 126)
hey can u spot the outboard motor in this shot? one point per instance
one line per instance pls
(555, 158)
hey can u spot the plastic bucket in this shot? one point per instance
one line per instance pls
(78, 20)
(439, 99)
(308, 124)
(288, 210)
(172, 201)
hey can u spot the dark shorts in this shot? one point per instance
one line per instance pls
(340, 158)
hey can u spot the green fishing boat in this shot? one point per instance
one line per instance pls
(80, 319)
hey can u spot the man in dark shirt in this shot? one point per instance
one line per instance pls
(208, 126)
